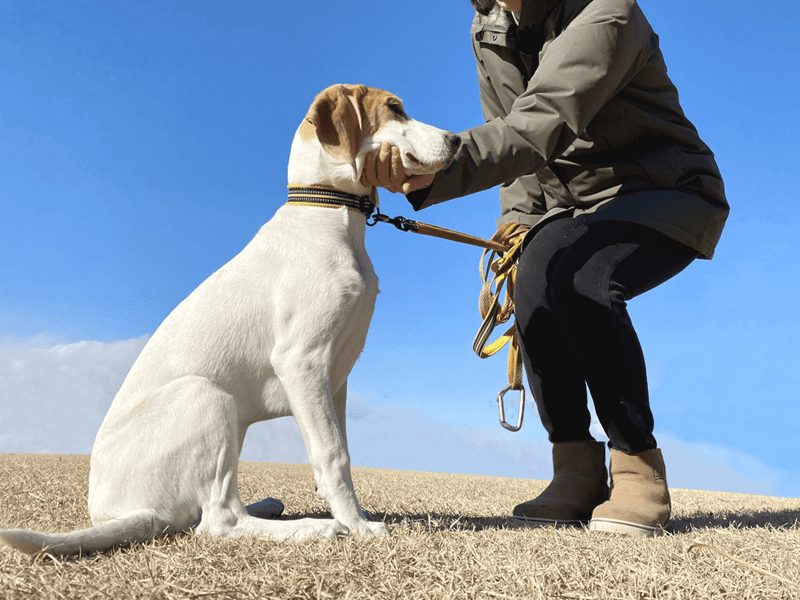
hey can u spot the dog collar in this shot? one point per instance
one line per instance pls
(328, 197)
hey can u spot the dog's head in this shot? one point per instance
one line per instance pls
(350, 120)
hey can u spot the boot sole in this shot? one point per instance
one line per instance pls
(616, 526)
(537, 522)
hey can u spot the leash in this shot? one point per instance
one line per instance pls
(404, 224)
(502, 250)
(503, 266)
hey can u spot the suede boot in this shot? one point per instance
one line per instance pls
(639, 503)
(580, 483)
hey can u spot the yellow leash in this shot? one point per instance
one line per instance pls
(503, 251)
(503, 268)
(404, 224)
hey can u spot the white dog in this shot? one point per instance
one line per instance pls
(275, 332)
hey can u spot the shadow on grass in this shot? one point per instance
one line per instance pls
(781, 519)
(433, 522)
(440, 523)
(436, 522)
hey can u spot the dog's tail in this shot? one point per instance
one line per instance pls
(138, 526)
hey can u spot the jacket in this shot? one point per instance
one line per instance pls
(581, 116)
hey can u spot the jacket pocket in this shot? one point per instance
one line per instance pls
(497, 28)
(665, 166)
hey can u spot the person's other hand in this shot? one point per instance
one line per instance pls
(384, 168)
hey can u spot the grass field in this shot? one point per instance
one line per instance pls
(451, 538)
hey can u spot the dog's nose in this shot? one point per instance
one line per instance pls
(453, 139)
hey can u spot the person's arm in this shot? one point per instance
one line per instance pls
(580, 70)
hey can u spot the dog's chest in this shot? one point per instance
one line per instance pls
(320, 268)
(365, 291)
(351, 291)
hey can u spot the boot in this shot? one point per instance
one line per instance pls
(580, 483)
(639, 503)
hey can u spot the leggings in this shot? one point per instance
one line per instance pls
(573, 282)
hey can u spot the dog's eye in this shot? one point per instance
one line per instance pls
(397, 109)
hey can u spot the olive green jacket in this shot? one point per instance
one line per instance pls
(582, 117)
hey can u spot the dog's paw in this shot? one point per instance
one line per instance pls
(378, 529)
(370, 528)
(303, 529)
(332, 529)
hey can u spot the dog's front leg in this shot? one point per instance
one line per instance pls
(317, 416)
(340, 404)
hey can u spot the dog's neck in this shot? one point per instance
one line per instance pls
(310, 165)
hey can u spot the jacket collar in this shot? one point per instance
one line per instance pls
(535, 12)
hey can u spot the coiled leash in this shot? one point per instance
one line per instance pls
(503, 251)
(503, 266)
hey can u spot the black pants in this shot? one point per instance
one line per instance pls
(573, 282)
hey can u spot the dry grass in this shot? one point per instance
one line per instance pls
(451, 538)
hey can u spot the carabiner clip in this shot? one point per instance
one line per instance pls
(500, 396)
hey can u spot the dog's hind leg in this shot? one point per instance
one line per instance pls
(197, 465)
(175, 452)
(294, 529)
(224, 515)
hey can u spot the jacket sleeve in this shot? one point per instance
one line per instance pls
(597, 54)
(491, 105)
(501, 81)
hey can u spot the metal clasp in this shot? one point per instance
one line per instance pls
(500, 399)
(400, 223)
(376, 217)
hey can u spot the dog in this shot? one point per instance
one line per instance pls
(274, 332)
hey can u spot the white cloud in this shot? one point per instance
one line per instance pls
(391, 437)
(387, 436)
(54, 399)
(705, 466)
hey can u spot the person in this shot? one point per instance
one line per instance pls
(591, 149)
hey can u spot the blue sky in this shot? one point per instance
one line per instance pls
(143, 144)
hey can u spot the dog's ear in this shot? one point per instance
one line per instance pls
(335, 117)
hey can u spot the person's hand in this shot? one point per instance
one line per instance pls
(384, 168)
